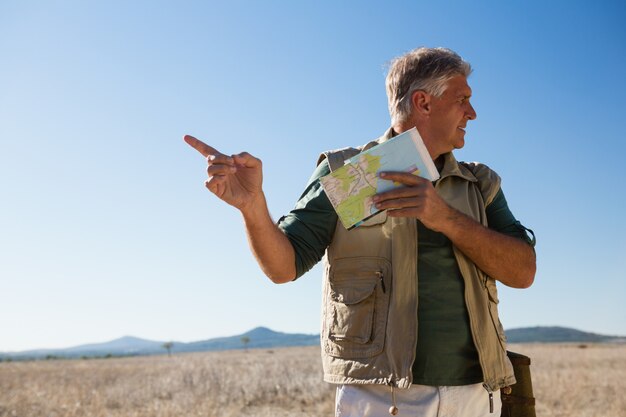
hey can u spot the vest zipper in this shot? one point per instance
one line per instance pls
(490, 398)
(393, 410)
(382, 281)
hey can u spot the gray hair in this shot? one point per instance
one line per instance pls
(426, 69)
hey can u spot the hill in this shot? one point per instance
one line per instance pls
(557, 335)
(260, 337)
(264, 338)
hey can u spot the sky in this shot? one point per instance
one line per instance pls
(106, 228)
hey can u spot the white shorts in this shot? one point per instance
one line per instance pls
(417, 401)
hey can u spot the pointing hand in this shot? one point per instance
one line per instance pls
(235, 179)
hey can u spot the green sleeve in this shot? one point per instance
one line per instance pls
(502, 220)
(310, 225)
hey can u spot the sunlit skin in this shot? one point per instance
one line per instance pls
(448, 117)
(441, 121)
(237, 180)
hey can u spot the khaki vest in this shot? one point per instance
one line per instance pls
(369, 309)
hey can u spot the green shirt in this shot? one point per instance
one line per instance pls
(445, 352)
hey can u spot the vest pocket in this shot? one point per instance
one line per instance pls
(355, 311)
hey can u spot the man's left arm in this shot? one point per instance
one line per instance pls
(507, 259)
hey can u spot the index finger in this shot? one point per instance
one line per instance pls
(406, 178)
(200, 146)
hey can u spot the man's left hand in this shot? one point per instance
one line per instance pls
(417, 199)
(505, 258)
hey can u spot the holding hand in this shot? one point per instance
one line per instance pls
(417, 199)
(235, 179)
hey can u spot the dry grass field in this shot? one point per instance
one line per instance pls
(569, 381)
(578, 380)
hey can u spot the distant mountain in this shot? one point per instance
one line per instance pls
(127, 344)
(265, 338)
(124, 346)
(557, 335)
(261, 337)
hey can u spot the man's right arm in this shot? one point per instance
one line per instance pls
(237, 180)
(269, 245)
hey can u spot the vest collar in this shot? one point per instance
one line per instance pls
(452, 168)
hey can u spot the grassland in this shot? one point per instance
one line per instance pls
(569, 381)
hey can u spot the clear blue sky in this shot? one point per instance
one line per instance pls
(106, 228)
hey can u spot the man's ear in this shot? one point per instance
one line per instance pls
(421, 102)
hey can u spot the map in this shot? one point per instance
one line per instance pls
(351, 187)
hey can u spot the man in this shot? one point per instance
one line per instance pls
(409, 318)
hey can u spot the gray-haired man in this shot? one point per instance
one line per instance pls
(409, 318)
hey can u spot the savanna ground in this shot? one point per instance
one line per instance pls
(568, 381)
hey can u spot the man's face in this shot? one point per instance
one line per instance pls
(449, 115)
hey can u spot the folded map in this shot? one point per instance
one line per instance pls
(350, 188)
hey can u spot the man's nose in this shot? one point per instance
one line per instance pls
(471, 113)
